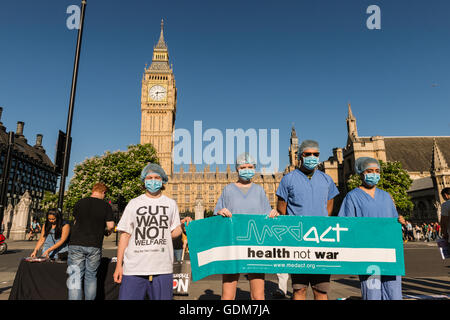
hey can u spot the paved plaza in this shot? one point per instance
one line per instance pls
(427, 275)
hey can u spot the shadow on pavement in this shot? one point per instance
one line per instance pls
(349, 282)
(411, 286)
(5, 289)
(12, 251)
(209, 295)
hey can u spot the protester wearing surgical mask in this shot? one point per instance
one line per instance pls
(307, 191)
(145, 250)
(243, 197)
(369, 201)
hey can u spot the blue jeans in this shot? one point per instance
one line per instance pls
(83, 263)
(178, 253)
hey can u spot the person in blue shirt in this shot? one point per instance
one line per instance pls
(243, 197)
(307, 191)
(369, 201)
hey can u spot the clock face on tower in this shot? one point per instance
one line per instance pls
(157, 93)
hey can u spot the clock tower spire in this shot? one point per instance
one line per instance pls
(159, 103)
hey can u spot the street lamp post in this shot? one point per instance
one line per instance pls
(71, 107)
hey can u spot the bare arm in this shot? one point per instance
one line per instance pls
(64, 235)
(330, 205)
(281, 206)
(178, 231)
(110, 225)
(123, 244)
(39, 243)
(109, 228)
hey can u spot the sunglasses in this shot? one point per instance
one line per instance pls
(308, 154)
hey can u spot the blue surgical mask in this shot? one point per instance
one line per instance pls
(153, 185)
(246, 174)
(372, 178)
(310, 162)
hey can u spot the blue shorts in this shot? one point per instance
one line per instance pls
(136, 287)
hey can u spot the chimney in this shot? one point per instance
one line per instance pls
(19, 130)
(38, 144)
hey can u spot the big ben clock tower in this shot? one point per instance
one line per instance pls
(159, 104)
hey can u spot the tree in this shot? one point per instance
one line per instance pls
(119, 171)
(49, 201)
(396, 181)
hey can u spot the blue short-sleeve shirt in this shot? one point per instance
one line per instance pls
(357, 203)
(304, 196)
(253, 202)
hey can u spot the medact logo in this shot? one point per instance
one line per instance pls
(330, 234)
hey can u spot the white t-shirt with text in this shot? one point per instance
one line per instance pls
(150, 222)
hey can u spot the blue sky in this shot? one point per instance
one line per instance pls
(237, 64)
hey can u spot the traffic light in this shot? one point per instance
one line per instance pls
(60, 147)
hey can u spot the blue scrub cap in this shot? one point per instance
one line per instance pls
(154, 168)
(308, 144)
(245, 158)
(361, 164)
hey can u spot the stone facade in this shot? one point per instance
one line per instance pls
(425, 158)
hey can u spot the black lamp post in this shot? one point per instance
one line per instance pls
(71, 107)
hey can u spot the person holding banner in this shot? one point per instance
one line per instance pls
(148, 225)
(307, 192)
(369, 201)
(243, 197)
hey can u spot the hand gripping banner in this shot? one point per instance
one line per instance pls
(292, 244)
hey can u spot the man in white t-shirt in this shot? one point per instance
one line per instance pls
(147, 227)
(445, 211)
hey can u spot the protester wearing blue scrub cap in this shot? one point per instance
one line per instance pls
(145, 252)
(369, 170)
(307, 191)
(363, 163)
(309, 154)
(369, 201)
(155, 168)
(243, 197)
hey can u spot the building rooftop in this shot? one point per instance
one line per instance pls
(415, 153)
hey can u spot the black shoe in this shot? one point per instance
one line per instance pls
(278, 294)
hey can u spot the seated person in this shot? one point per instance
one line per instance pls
(35, 228)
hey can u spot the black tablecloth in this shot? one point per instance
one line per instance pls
(47, 281)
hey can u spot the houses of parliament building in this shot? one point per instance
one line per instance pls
(425, 158)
